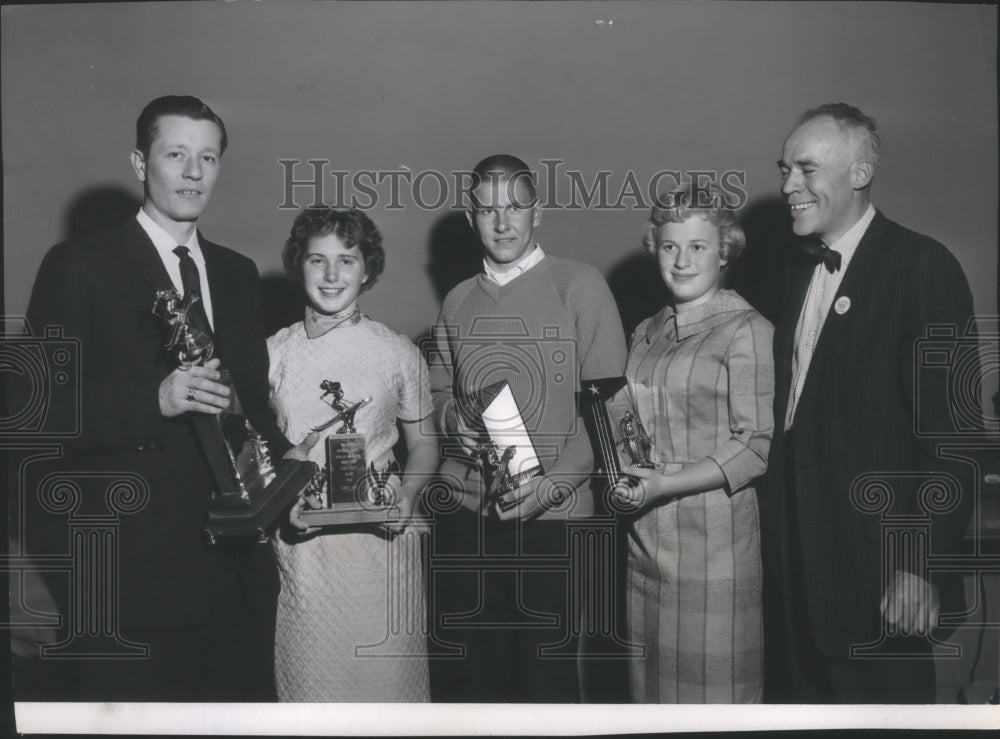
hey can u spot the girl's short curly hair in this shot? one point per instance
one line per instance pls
(351, 226)
(707, 202)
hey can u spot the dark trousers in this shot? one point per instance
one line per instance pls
(493, 596)
(230, 657)
(807, 675)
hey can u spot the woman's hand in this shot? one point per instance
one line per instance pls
(304, 502)
(422, 461)
(301, 450)
(404, 499)
(642, 486)
(651, 486)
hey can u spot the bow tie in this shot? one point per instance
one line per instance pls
(820, 252)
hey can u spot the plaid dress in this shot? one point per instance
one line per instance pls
(703, 383)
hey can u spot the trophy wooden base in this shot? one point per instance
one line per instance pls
(349, 514)
(232, 514)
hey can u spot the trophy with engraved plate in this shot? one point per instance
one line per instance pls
(249, 492)
(348, 491)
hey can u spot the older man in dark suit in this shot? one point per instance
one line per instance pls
(848, 394)
(205, 613)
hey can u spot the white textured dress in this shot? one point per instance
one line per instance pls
(351, 617)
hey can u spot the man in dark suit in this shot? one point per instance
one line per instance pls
(206, 613)
(855, 624)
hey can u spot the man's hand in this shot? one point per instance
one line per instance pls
(194, 389)
(26, 640)
(301, 450)
(534, 497)
(460, 431)
(911, 603)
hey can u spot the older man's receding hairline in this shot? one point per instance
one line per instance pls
(857, 143)
(860, 128)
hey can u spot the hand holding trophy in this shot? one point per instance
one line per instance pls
(196, 384)
(345, 491)
(494, 410)
(249, 493)
(619, 439)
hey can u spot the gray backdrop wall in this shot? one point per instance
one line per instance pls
(617, 87)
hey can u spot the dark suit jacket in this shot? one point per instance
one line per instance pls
(100, 290)
(856, 417)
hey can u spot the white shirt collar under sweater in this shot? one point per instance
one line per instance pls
(527, 262)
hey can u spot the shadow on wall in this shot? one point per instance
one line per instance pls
(761, 273)
(638, 289)
(283, 301)
(454, 253)
(98, 209)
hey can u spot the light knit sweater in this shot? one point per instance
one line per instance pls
(544, 332)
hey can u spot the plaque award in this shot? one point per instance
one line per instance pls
(349, 492)
(617, 434)
(507, 456)
(249, 492)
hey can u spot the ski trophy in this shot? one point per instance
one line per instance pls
(249, 492)
(350, 493)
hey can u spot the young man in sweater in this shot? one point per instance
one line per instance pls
(544, 325)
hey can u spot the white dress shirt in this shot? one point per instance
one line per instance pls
(822, 290)
(528, 261)
(165, 245)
